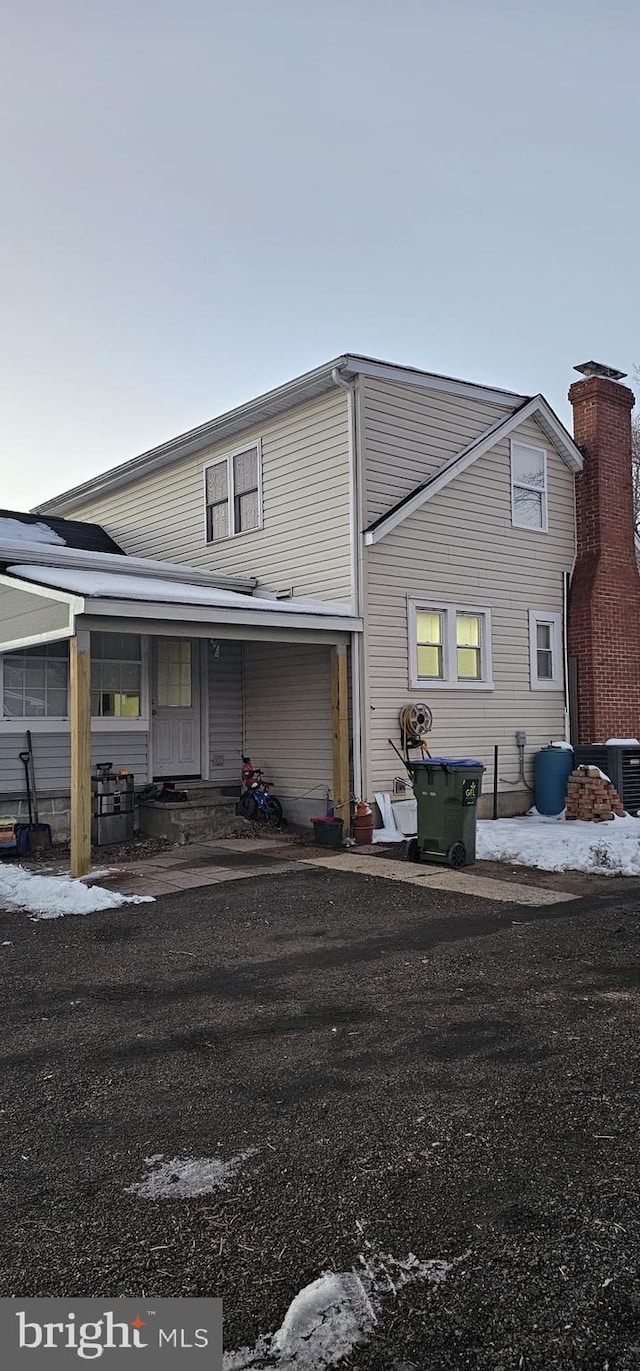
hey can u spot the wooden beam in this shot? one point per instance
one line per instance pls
(340, 736)
(80, 715)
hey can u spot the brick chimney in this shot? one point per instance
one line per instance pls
(604, 604)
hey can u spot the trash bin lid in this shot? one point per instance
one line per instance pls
(449, 761)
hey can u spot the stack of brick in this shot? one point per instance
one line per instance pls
(590, 796)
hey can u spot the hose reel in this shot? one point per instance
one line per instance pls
(416, 722)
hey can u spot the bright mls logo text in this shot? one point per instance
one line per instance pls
(90, 1339)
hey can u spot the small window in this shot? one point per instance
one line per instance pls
(233, 495)
(35, 682)
(528, 487)
(545, 650)
(449, 646)
(116, 675)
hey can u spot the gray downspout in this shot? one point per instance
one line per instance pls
(354, 558)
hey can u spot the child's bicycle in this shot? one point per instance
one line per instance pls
(256, 802)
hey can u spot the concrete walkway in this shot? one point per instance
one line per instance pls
(463, 882)
(234, 859)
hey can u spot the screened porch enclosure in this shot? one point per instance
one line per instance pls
(165, 706)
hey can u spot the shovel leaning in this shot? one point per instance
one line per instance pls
(34, 836)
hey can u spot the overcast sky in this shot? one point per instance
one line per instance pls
(201, 199)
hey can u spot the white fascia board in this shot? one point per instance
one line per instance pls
(537, 408)
(155, 610)
(385, 371)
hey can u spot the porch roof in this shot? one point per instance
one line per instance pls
(40, 603)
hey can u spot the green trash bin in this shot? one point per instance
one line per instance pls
(447, 790)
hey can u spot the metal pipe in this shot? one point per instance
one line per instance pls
(495, 781)
(354, 559)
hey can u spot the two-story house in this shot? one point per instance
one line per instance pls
(367, 531)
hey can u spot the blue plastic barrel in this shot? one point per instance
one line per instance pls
(552, 768)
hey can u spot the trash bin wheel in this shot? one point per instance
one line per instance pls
(457, 855)
(413, 850)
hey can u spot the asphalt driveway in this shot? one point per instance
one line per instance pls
(407, 1069)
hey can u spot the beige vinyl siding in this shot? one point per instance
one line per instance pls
(287, 693)
(52, 764)
(225, 713)
(461, 547)
(24, 615)
(407, 433)
(304, 543)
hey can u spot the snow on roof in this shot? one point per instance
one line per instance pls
(107, 585)
(17, 530)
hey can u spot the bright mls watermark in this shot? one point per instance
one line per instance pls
(60, 1333)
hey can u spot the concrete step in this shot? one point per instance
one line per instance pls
(189, 821)
(207, 792)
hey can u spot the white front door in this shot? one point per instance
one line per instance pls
(176, 708)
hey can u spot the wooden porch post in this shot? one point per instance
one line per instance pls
(80, 715)
(340, 732)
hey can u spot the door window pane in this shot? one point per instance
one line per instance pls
(173, 673)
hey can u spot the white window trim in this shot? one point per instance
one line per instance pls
(228, 458)
(99, 724)
(449, 612)
(544, 528)
(546, 616)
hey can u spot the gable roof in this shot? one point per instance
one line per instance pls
(299, 391)
(536, 408)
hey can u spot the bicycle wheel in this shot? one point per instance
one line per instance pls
(248, 805)
(274, 810)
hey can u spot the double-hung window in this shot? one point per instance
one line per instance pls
(545, 650)
(528, 487)
(233, 494)
(35, 682)
(116, 675)
(449, 646)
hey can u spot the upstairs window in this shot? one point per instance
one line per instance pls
(233, 494)
(528, 487)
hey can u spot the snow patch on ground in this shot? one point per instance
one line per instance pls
(183, 1177)
(335, 1313)
(51, 897)
(558, 844)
